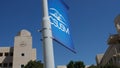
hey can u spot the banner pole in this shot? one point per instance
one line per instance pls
(47, 38)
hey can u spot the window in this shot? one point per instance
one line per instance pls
(22, 66)
(10, 64)
(6, 54)
(22, 54)
(11, 53)
(1, 54)
(0, 64)
(5, 65)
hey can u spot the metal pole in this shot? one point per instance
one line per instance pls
(47, 38)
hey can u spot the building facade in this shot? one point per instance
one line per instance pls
(61, 66)
(99, 58)
(6, 57)
(112, 54)
(20, 54)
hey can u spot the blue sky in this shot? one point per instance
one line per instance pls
(91, 22)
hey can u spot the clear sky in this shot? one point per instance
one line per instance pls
(92, 21)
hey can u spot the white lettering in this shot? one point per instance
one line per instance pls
(58, 21)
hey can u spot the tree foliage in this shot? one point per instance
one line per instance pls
(110, 66)
(70, 65)
(75, 64)
(34, 64)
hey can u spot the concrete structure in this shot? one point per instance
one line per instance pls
(117, 23)
(20, 54)
(112, 54)
(62, 66)
(87, 66)
(6, 57)
(99, 58)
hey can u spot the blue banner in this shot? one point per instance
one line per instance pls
(60, 23)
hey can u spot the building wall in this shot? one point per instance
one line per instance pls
(62, 66)
(108, 55)
(87, 66)
(19, 55)
(6, 57)
(23, 51)
(112, 54)
(99, 58)
(33, 54)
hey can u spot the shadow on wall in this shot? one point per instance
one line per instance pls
(8, 60)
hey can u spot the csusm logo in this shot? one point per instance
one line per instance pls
(58, 20)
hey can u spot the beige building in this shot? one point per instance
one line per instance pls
(112, 54)
(87, 66)
(99, 58)
(19, 55)
(61, 66)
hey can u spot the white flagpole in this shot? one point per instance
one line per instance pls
(47, 38)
